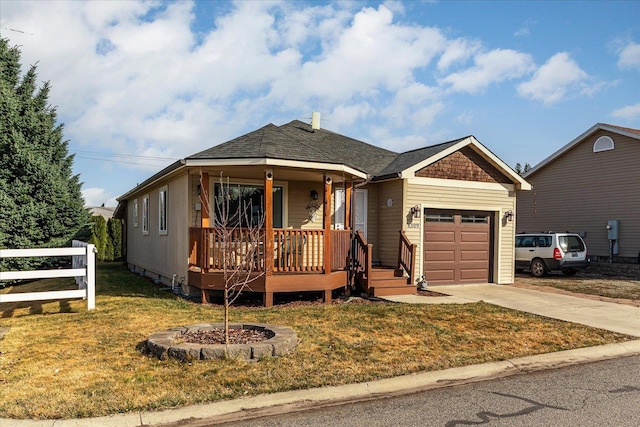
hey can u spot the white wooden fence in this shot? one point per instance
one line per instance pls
(83, 268)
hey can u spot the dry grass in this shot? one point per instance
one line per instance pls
(60, 361)
(588, 283)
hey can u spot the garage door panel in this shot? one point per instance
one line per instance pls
(474, 236)
(440, 256)
(480, 255)
(456, 252)
(441, 276)
(477, 275)
(441, 236)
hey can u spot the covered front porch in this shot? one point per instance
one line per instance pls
(322, 257)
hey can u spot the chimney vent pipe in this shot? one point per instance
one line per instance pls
(315, 120)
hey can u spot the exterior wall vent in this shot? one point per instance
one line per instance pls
(604, 143)
(315, 120)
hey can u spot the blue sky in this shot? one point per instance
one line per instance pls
(139, 85)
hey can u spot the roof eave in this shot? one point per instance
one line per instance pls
(172, 168)
(267, 161)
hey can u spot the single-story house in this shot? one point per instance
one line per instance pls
(589, 186)
(445, 212)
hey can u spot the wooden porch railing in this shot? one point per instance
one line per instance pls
(406, 257)
(363, 258)
(295, 250)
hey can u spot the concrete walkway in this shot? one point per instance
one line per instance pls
(604, 315)
(624, 319)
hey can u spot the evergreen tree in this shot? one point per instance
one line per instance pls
(114, 227)
(99, 237)
(40, 200)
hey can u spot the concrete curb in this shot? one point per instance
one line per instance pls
(292, 401)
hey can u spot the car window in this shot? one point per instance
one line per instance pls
(544, 241)
(526, 242)
(571, 243)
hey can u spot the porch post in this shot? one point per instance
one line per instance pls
(268, 222)
(347, 206)
(326, 220)
(204, 199)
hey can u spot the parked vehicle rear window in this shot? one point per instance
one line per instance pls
(571, 243)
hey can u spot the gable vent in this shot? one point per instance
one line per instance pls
(604, 143)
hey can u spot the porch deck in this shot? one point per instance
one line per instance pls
(293, 260)
(288, 260)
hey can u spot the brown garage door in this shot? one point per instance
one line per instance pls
(457, 247)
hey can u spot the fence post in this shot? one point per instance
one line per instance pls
(91, 277)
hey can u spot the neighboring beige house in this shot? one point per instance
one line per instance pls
(104, 211)
(445, 212)
(585, 186)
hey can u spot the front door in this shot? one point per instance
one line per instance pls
(360, 211)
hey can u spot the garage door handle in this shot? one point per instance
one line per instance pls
(531, 250)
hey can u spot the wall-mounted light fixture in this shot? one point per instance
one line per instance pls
(415, 211)
(508, 215)
(314, 195)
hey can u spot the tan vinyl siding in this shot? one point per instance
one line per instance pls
(373, 207)
(581, 190)
(156, 254)
(299, 197)
(493, 198)
(389, 221)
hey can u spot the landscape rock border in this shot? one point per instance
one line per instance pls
(167, 343)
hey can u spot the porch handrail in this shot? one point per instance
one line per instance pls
(295, 250)
(406, 256)
(363, 258)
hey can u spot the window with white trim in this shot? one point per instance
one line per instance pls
(162, 210)
(145, 214)
(135, 212)
(604, 143)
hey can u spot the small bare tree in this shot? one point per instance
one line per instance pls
(238, 235)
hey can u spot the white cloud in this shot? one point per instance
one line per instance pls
(629, 56)
(553, 81)
(490, 67)
(458, 51)
(629, 112)
(98, 196)
(525, 29)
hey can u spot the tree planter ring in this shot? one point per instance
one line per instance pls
(169, 343)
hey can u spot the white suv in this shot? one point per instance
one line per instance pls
(543, 252)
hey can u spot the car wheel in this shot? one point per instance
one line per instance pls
(569, 272)
(538, 269)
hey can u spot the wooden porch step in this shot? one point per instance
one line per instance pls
(384, 282)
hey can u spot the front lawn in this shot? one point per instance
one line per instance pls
(587, 283)
(58, 360)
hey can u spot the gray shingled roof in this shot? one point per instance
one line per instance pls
(296, 141)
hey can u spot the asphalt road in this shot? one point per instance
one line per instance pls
(603, 393)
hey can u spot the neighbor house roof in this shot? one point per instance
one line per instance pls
(296, 141)
(631, 133)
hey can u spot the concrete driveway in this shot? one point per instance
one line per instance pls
(620, 318)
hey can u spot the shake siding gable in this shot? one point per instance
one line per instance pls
(580, 190)
(465, 164)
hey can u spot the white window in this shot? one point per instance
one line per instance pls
(162, 210)
(145, 214)
(134, 208)
(604, 143)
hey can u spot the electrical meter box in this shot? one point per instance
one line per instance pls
(613, 227)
